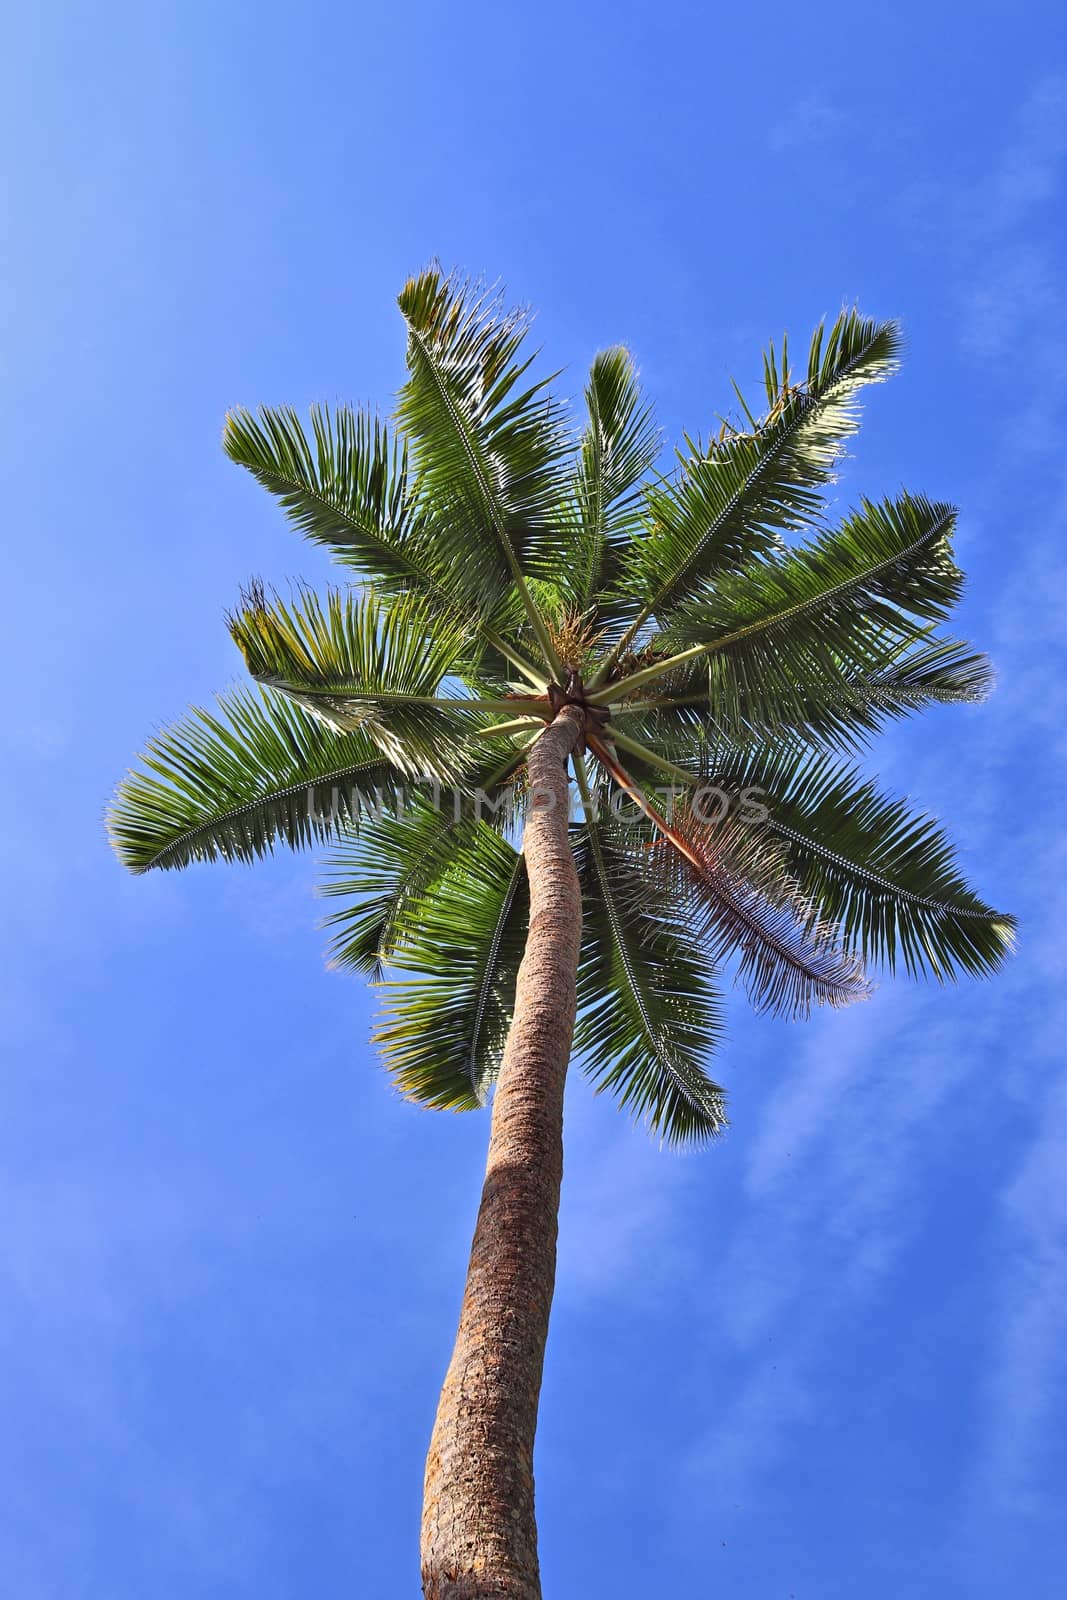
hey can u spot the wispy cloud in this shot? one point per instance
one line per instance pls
(1013, 797)
(621, 1202)
(1011, 289)
(810, 120)
(834, 1179)
(1016, 286)
(1027, 1384)
(839, 1158)
(1028, 172)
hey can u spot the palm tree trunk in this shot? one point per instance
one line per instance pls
(479, 1538)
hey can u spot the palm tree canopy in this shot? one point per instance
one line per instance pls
(734, 651)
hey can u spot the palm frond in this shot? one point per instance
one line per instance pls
(361, 661)
(347, 487)
(682, 715)
(882, 874)
(231, 784)
(911, 678)
(391, 859)
(461, 935)
(490, 453)
(884, 560)
(394, 857)
(490, 542)
(399, 649)
(618, 447)
(648, 1016)
(780, 633)
(733, 498)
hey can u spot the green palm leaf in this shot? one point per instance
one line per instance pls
(883, 561)
(838, 609)
(682, 717)
(648, 1017)
(881, 873)
(734, 498)
(462, 935)
(618, 448)
(491, 454)
(360, 661)
(394, 857)
(915, 678)
(347, 487)
(390, 861)
(231, 785)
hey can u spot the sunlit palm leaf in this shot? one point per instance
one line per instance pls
(359, 661)
(734, 498)
(346, 486)
(618, 448)
(917, 677)
(490, 452)
(682, 718)
(234, 783)
(781, 633)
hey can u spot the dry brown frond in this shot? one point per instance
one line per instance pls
(733, 879)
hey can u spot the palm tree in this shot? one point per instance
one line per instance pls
(535, 605)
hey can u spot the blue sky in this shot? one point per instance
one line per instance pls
(826, 1357)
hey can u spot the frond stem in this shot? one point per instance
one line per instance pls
(645, 754)
(528, 670)
(353, 691)
(518, 725)
(627, 784)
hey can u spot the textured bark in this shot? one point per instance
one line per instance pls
(479, 1539)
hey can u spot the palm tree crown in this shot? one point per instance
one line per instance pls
(722, 639)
